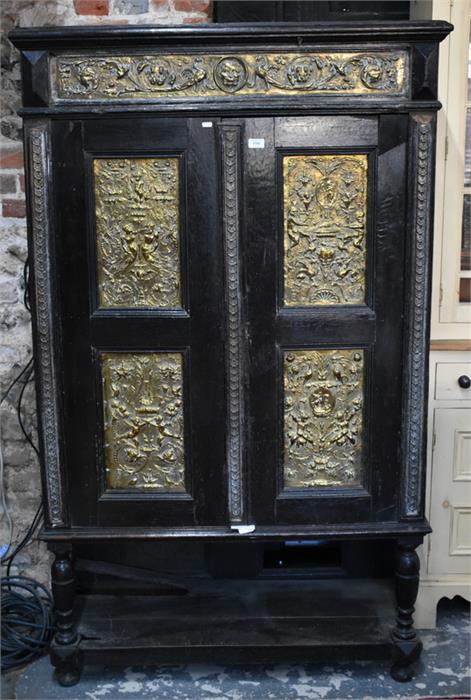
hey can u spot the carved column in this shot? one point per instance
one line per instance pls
(64, 649)
(406, 645)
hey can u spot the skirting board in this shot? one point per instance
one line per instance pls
(431, 591)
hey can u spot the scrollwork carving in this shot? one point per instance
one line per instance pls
(417, 348)
(217, 75)
(325, 209)
(230, 149)
(323, 418)
(46, 328)
(143, 421)
(137, 232)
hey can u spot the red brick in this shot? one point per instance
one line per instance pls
(159, 3)
(7, 184)
(22, 183)
(11, 158)
(15, 208)
(195, 20)
(192, 5)
(92, 7)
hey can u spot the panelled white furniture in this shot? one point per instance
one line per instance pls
(446, 555)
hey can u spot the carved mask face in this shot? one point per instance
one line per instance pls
(230, 73)
(303, 72)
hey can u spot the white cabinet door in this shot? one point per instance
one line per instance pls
(450, 513)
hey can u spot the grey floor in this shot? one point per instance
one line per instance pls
(444, 673)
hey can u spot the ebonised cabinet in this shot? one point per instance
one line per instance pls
(230, 235)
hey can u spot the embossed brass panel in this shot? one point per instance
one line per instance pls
(325, 212)
(137, 213)
(221, 75)
(143, 420)
(323, 418)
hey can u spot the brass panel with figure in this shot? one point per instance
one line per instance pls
(143, 421)
(323, 418)
(325, 218)
(137, 212)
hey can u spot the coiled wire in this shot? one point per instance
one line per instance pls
(27, 626)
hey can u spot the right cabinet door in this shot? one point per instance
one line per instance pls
(324, 241)
(450, 501)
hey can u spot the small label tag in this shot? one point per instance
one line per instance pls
(206, 125)
(243, 529)
(256, 143)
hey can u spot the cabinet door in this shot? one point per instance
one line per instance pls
(450, 504)
(139, 265)
(324, 242)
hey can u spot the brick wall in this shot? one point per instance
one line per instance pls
(21, 477)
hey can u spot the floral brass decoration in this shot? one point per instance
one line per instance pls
(325, 210)
(323, 418)
(217, 75)
(137, 232)
(143, 420)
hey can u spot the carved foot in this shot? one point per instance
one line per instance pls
(67, 678)
(402, 674)
(67, 662)
(405, 655)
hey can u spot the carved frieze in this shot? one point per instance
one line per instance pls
(325, 214)
(137, 214)
(143, 420)
(323, 418)
(219, 75)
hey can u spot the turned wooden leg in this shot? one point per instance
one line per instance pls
(64, 648)
(406, 646)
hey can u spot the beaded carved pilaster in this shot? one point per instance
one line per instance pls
(46, 330)
(230, 188)
(417, 317)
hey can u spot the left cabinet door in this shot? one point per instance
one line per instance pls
(139, 272)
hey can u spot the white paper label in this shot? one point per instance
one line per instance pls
(256, 143)
(243, 529)
(206, 125)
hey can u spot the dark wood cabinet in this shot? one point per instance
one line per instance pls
(230, 235)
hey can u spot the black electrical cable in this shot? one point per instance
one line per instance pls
(27, 626)
(8, 560)
(26, 370)
(20, 418)
(26, 605)
(26, 295)
(29, 366)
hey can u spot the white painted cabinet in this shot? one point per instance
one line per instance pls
(450, 502)
(446, 555)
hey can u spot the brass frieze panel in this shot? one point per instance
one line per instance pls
(137, 213)
(143, 421)
(325, 215)
(221, 75)
(323, 418)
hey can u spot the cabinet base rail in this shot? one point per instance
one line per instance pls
(239, 621)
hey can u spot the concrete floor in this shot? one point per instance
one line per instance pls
(444, 673)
